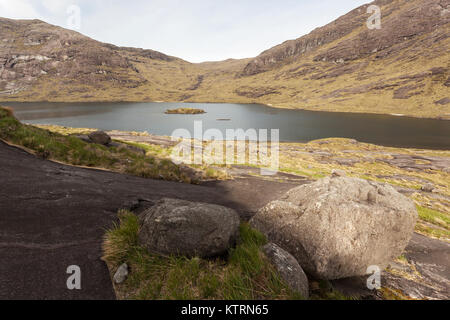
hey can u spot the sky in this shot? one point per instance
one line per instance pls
(194, 30)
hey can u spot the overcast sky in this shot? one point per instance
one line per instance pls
(195, 30)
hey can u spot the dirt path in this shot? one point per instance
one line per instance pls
(53, 216)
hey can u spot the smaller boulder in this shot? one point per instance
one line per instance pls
(100, 137)
(121, 274)
(187, 228)
(288, 268)
(429, 187)
(338, 173)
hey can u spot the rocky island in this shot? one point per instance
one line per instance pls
(185, 111)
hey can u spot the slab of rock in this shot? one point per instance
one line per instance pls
(337, 227)
(84, 137)
(429, 187)
(121, 274)
(100, 137)
(338, 173)
(187, 228)
(288, 268)
(443, 101)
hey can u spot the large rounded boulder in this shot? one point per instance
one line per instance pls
(337, 227)
(186, 228)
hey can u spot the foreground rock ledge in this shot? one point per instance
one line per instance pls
(337, 227)
(186, 228)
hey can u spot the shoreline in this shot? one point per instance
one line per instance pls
(168, 137)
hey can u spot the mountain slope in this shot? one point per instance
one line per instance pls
(403, 68)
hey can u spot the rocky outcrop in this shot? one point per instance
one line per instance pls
(31, 49)
(288, 268)
(186, 228)
(403, 24)
(429, 187)
(100, 137)
(338, 227)
(255, 92)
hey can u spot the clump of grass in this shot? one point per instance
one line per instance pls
(8, 112)
(65, 130)
(393, 294)
(433, 223)
(71, 150)
(244, 274)
(434, 217)
(430, 231)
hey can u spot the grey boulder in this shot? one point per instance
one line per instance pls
(121, 274)
(186, 228)
(337, 227)
(100, 137)
(429, 187)
(288, 268)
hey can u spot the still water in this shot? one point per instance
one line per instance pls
(294, 125)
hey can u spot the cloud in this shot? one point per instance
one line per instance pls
(57, 6)
(18, 9)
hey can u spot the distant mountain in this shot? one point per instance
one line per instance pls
(402, 68)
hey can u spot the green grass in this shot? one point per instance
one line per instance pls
(434, 217)
(436, 223)
(151, 148)
(326, 292)
(433, 232)
(165, 152)
(71, 150)
(244, 274)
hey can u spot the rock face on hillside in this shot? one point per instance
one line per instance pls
(186, 228)
(403, 25)
(30, 49)
(337, 227)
